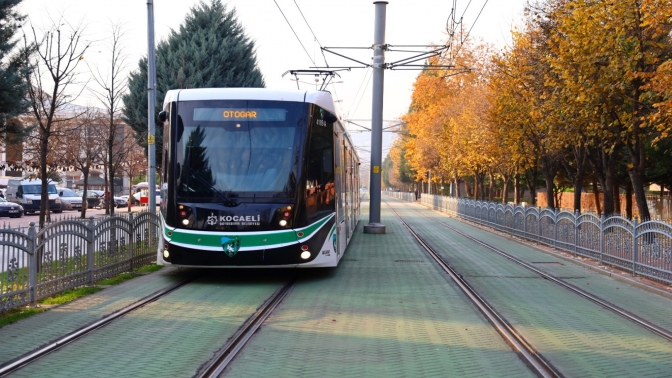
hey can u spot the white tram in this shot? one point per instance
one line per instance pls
(252, 177)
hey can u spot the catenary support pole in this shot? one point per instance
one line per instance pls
(151, 101)
(374, 226)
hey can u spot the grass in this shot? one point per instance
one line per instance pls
(149, 268)
(14, 315)
(69, 295)
(119, 278)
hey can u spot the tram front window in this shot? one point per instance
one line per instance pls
(238, 150)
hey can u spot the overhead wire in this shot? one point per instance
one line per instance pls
(296, 35)
(319, 44)
(462, 40)
(311, 31)
(362, 95)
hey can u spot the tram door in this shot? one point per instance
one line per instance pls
(338, 180)
(348, 183)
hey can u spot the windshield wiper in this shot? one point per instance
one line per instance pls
(219, 194)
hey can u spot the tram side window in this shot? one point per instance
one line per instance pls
(320, 167)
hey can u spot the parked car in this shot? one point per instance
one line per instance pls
(10, 209)
(28, 194)
(118, 201)
(69, 199)
(91, 198)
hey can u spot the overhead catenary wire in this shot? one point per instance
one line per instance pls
(319, 44)
(313, 33)
(363, 91)
(296, 35)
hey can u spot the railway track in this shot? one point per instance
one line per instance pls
(534, 357)
(661, 331)
(228, 352)
(79, 333)
(525, 350)
(212, 368)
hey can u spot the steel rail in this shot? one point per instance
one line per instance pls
(525, 350)
(228, 352)
(35, 354)
(665, 333)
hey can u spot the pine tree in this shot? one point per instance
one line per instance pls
(13, 68)
(209, 50)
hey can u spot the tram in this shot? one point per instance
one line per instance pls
(252, 177)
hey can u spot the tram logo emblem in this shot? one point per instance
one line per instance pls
(233, 220)
(230, 246)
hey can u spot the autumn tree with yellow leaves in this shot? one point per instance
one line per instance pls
(584, 87)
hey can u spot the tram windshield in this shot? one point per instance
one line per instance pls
(235, 150)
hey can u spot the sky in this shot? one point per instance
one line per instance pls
(330, 23)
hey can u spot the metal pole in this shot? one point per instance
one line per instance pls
(151, 101)
(374, 226)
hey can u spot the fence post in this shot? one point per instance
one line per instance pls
(555, 229)
(32, 270)
(538, 224)
(89, 250)
(602, 239)
(131, 241)
(524, 222)
(576, 233)
(634, 247)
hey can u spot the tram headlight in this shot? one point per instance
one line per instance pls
(185, 222)
(166, 254)
(283, 223)
(305, 255)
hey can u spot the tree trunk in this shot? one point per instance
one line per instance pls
(457, 185)
(549, 170)
(85, 203)
(481, 181)
(532, 184)
(640, 195)
(44, 193)
(617, 199)
(110, 164)
(628, 200)
(608, 186)
(596, 193)
(505, 189)
(476, 187)
(603, 161)
(491, 187)
(516, 189)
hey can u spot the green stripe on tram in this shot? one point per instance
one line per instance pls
(247, 239)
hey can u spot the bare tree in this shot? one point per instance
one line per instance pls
(135, 162)
(112, 86)
(55, 60)
(84, 152)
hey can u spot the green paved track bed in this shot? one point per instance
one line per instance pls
(373, 316)
(28, 334)
(579, 337)
(171, 337)
(646, 304)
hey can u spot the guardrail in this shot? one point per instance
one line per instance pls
(642, 248)
(35, 264)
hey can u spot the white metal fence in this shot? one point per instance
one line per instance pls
(643, 248)
(35, 264)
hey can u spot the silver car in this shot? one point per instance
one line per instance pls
(69, 199)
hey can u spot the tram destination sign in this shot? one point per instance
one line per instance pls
(230, 114)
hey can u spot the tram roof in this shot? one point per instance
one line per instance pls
(320, 98)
